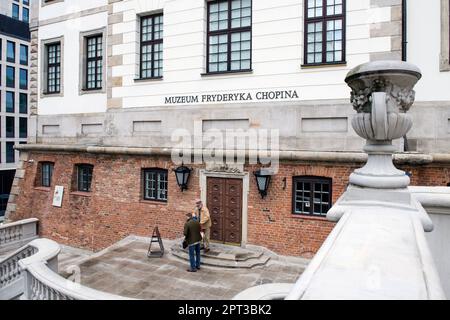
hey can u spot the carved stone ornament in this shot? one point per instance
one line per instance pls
(382, 93)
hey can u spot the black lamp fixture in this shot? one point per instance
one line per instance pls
(262, 181)
(182, 174)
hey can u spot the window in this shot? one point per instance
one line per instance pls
(23, 103)
(26, 2)
(229, 35)
(23, 54)
(324, 32)
(10, 101)
(46, 174)
(23, 127)
(25, 15)
(53, 67)
(15, 11)
(10, 77)
(151, 65)
(10, 51)
(23, 79)
(311, 196)
(84, 177)
(10, 153)
(10, 127)
(94, 62)
(155, 184)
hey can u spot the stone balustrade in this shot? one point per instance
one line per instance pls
(16, 234)
(31, 273)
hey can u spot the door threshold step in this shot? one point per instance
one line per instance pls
(225, 260)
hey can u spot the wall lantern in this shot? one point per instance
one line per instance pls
(262, 181)
(182, 174)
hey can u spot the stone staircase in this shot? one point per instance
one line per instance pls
(224, 256)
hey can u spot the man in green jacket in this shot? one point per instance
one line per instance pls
(193, 238)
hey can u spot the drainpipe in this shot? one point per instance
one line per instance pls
(404, 52)
(404, 30)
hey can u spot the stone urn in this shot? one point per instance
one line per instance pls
(382, 93)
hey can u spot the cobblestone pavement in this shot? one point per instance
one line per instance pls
(126, 270)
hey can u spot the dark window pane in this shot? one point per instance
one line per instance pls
(10, 127)
(10, 101)
(25, 15)
(23, 79)
(15, 11)
(10, 51)
(23, 103)
(10, 153)
(23, 54)
(10, 77)
(23, 127)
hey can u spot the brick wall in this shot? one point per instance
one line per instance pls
(115, 209)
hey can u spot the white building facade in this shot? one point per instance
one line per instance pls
(112, 81)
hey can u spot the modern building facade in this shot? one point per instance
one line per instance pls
(119, 87)
(14, 72)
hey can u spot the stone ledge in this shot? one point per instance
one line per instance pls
(287, 155)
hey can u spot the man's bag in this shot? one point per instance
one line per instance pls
(185, 244)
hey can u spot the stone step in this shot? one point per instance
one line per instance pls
(225, 260)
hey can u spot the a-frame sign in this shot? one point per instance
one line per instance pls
(156, 237)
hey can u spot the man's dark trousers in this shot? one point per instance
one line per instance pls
(194, 256)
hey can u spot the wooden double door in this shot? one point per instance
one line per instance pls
(224, 201)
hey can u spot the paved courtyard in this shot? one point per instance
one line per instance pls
(125, 270)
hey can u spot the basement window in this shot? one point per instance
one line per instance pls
(311, 196)
(46, 173)
(84, 177)
(155, 184)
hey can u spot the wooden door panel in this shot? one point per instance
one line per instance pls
(224, 201)
(233, 211)
(214, 202)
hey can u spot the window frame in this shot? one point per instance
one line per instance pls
(152, 44)
(51, 167)
(156, 171)
(313, 180)
(229, 31)
(55, 65)
(90, 177)
(324, 19)
(94, 59)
